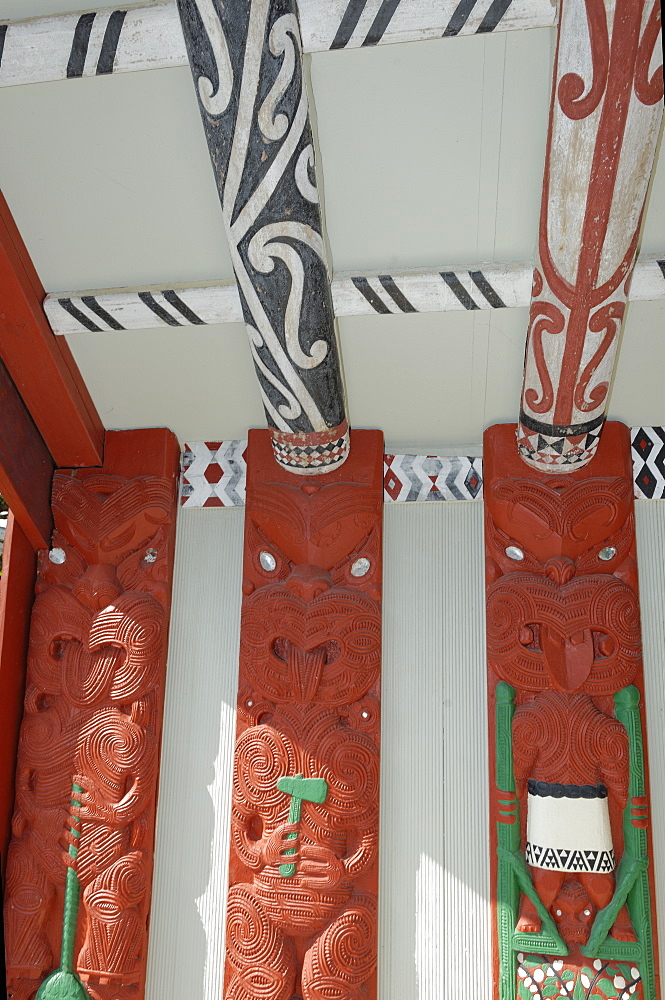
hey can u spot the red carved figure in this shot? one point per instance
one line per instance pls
(563, 640)
(92, 719)
(302, 903)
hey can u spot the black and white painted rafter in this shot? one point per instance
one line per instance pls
(71, 46)
(483, 286)
(140, 37)
(246, 61)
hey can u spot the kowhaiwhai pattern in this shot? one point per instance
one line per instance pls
(246, 59)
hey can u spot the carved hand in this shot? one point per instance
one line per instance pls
(320, 867)
(274, 846)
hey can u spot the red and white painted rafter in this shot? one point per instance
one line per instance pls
(141, 37)
(483, 286)
(605, 116)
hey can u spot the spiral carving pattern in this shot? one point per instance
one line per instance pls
(262, 756)
(345, 955)
(95, 667)
(253, 940)
(563, 630)
(349, 762)
(304, 923)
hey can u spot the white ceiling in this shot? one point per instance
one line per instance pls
(431, 155)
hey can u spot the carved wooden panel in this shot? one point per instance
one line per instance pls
(79, 869)
(569, 823)
(302, 908)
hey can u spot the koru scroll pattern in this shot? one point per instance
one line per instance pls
(302, 906)
(246, 59)
(92, 720)
(606, 110)
(569, 800)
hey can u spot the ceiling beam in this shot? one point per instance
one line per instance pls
(605, 117)
(26, 467)
(41, 367)
(376, 292)
(69, 46)
(246, 61)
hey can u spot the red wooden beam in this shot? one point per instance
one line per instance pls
(16, 597)
(26, 466)
(41, 365)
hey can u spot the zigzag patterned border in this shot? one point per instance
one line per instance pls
(213, 473)
(649, 462)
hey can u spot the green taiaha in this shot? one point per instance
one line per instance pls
(64, 984)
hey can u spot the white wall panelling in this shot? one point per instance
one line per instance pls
(434, 910)
(650, 529)
(186, 955)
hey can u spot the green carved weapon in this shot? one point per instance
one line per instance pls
(64, 984)
(299, 788)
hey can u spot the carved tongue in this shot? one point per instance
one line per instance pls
(305, 667)
(569, 658)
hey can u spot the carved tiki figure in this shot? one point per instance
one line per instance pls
(563, 631)
(302, 903)
(92, 719)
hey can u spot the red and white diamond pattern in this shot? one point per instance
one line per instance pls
(649, 462)
(431, 477)
(213, 473)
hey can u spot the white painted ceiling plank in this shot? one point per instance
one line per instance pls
(68, 46)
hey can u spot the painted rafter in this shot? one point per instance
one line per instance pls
(247, 66)
(69, 46)
(377, 292)
(605, 117)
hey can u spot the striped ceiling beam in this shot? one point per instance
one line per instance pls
(605, 116)
(246, 61)
(483, 286)
(69, 46)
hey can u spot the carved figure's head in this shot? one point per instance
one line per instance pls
(559, 518)
(579, 636)
(573, 913)
(311, 625)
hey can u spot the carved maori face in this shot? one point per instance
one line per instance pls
(573, 913)
(558, 520)
(107, 517)
(311, 628)
(583, 635)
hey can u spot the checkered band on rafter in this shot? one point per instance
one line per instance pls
(431, 477)
(546, 450)
(213, 474)
(310, 459)
(648, 446)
